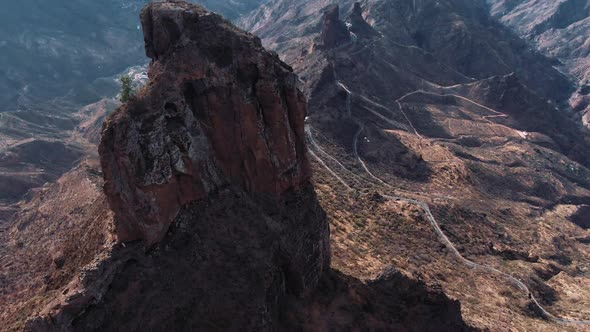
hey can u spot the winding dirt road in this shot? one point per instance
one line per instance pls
(424, 206)
(497, 114)
(430, 217)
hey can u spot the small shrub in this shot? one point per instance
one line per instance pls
(359, 223)
(126, 88)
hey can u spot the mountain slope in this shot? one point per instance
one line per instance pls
(449, 110)
(214, 224)
(61, 48)
(457, 33)
(59, 68)
(558, 29)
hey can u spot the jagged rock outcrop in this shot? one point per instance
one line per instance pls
(358, 25)
(219, 111)
(334, 31)
(206, 167)
(558, 29)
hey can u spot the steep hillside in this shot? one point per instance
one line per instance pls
(65, 228)
(559, 29)
(212, 223)
(440, 149)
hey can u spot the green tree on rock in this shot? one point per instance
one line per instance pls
(126, 88)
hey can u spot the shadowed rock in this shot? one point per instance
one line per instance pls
(206, 167)
(219, 111)
(334, 31)
(358, 25)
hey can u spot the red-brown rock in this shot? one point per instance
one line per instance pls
(219, 110)
(334, 31)
(206, 167)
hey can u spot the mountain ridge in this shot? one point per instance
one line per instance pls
(557, 29)
(437, 141)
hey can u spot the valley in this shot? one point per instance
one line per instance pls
(60, 79)
(382, 165)
(478, 150)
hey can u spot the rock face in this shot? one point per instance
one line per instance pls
(334, 31)
(558, 29)
(219, 111)
(358, 25)
(441, 73)
(208, 168)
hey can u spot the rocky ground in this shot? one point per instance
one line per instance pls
(62, 229)
(483, 145)
(560, 30)
(430, 101)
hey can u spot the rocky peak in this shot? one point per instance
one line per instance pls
(358, 25)
(207, 167)
(219, 111)
(334, 31)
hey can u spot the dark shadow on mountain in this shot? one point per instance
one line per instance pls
(387, 155)
(391, 302)
(424, 123)
(225, 279)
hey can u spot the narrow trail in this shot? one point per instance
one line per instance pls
(372, 102)
(313, 142)
(450, 95)
(381, 116)
(355, 151)
(323, 163)
(497, 114)
(399, 104)
(424, 206)
(486, 118)
(442, 236)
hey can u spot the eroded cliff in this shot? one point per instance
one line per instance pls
(206, 169)
(216, 225)
(219, 111)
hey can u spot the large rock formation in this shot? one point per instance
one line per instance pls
(358, 25)
(334, 31)
(220, 111)
(207, 169)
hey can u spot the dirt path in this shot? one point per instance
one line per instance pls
(424, 206)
